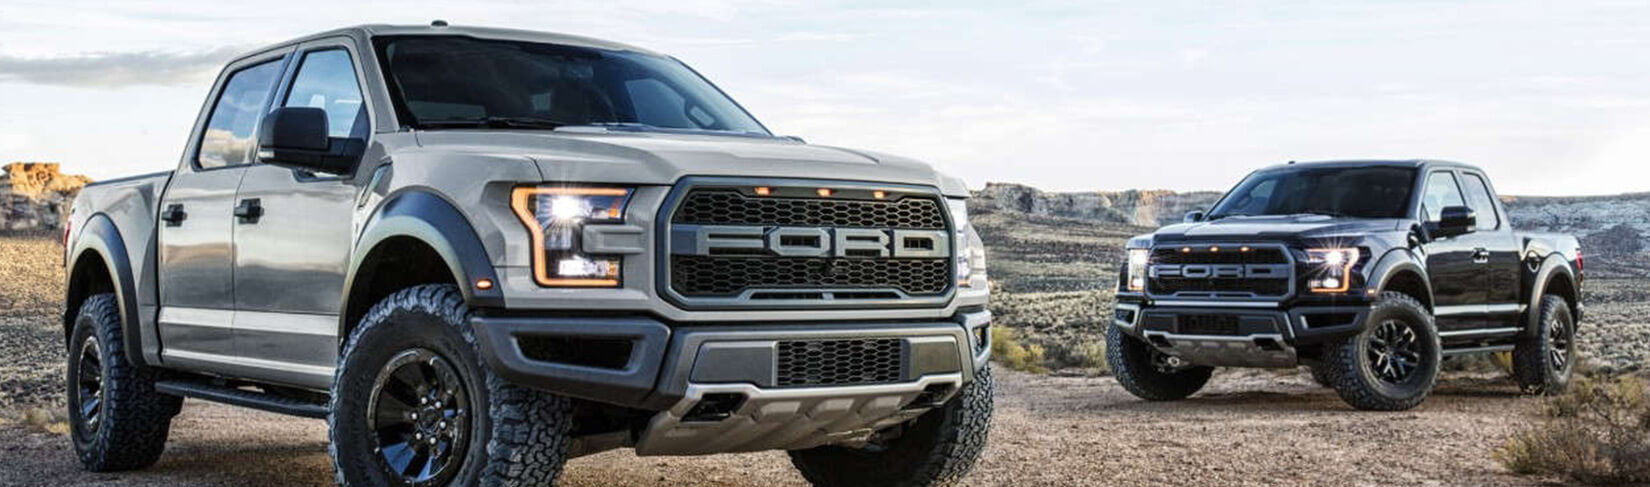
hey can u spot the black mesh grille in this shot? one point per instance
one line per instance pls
(1227, 255)
(728, 207)
(1218, 286)
(839, 362)
(696, 276)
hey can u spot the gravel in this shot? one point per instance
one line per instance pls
(1249, 428)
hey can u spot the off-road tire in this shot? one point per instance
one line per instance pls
(1534, 366)
(1131, 363)
(1349, 366)
(133, 419)
(516, 436)
(936, 450)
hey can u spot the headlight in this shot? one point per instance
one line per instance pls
(1135, 276)
(1332, 269)
(970, 248)
(555, 218)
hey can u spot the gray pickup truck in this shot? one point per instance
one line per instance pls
(478, 253)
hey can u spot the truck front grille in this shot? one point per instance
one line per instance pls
(709, 275)
(1221, 271)
(823, 363)
(729, 275)
(730, 207)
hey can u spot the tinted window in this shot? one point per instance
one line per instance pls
(440, 79)
(1478, 197)
(1363, 192)
(228, 138)
(326, 80)
(1441, 192)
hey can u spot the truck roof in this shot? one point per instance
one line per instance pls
(1415, 163)
(373, 30)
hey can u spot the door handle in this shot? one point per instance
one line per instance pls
(249, 210)
(1481, 256)
(174, 215)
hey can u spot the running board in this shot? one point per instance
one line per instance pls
(1479, 333)
(243, 398)
(1472, 350)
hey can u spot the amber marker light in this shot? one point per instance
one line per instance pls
(763, 191)
(823, 192)
(521, 202)
(879, 194)
(484, 284)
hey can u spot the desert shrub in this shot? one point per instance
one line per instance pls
(1085, 354)
(1008, 351)
(1597, 433)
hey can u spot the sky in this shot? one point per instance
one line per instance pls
(1550, 97)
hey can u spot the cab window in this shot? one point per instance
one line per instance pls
(229, 137)
(1442, 192)
(326, 80)
(1478, 197)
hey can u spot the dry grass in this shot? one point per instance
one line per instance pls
(1007, 351)
(1597, 433)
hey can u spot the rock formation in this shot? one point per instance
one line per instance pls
(35, 196)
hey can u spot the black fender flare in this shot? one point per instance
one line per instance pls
(1400, 260)
(1554, 266)
(99, 236)
(422, 214)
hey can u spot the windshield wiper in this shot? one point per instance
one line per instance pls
(642, 127)
(497, 122)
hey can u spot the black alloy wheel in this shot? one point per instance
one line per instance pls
(1559, 338)
(1394, 351)
(89, 387)
(420, 416)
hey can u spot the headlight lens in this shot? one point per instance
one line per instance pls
(970, 248)
(1332, 269)
(1136, 273)
(555, 218)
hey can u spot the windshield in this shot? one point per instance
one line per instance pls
(463, 82)
(1361, 192)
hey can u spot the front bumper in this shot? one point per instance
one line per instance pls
(673, 369)
(1250, 336)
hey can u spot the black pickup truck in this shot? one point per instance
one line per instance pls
(1369, 272)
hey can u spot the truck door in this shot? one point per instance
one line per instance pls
(1458, 281)
(1497, 249)
(197, 296)
(292, 252)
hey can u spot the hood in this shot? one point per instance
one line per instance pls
(662, 159)
(1273, 228)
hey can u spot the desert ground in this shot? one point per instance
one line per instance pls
(1071, 428)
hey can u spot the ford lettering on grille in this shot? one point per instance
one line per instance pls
(815, 242)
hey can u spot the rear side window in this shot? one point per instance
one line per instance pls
(229, 137)
(326, 80)
(1478, 197)
(1442, 192)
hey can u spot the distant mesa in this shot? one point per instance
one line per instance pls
(35, 196)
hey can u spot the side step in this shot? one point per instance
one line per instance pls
(243, 398)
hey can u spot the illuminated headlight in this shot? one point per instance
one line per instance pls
(1135, 275)
(555, 217)
(1332, 269)
(970, 248)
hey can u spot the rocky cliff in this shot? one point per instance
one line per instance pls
(1147, 208)
(35, 196)
(1617, 225)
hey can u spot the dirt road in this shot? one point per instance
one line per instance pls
(1247, 429)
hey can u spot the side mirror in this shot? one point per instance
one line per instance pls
(1193, 216)
(297, 137)
(1455, 220)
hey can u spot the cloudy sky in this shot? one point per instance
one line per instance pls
(1552, 97)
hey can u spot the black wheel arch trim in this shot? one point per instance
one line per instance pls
(100, 237)
(1396, 261)
(422, 214)
(1552, 268)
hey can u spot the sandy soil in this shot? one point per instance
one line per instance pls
(1246, 429)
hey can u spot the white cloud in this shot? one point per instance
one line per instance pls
(115, 69)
